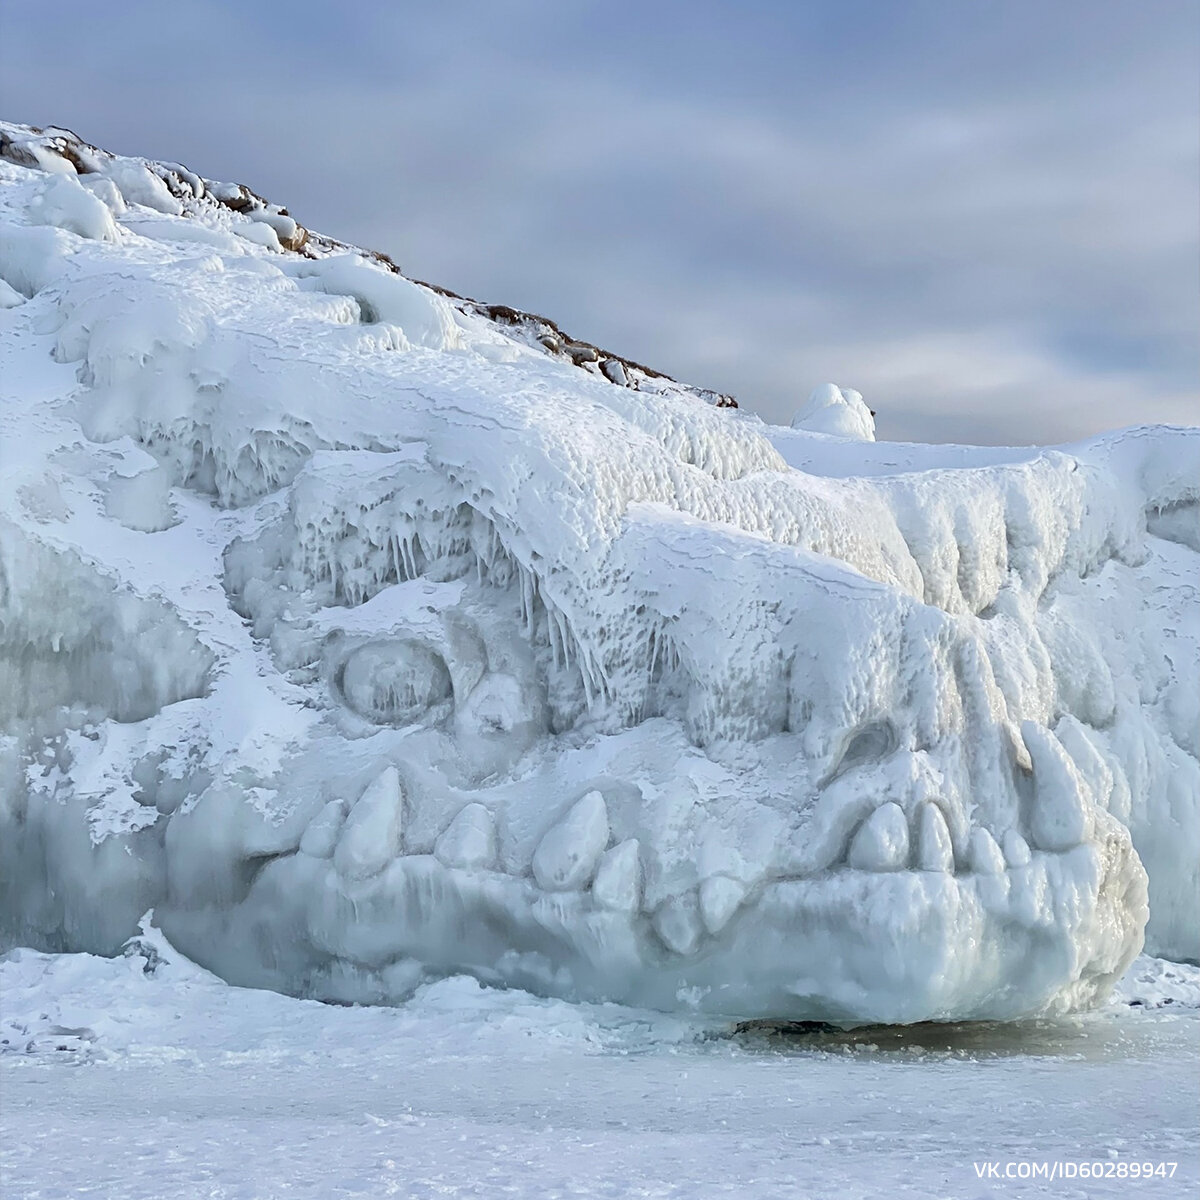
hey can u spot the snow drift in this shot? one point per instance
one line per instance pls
(372, 635)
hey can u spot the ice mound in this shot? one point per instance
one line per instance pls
(836, 411)
(389, 636)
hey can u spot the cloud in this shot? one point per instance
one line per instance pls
(983, 216)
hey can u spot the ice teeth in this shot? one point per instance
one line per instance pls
(1061, 816)
(986, 858)
(469, 840)
(881, 843)
(1017, 747)
(567, 856)
(720, 898)
(678, 924)
(935, 851)
(322, 833)
(1088, 761)
(1016, 849)
(373, 834)
(618, 882)
(716, 856)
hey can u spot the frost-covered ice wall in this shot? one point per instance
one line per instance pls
(370, 634)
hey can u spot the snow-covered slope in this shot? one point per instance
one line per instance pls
(373, 635)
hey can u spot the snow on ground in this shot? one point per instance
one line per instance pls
(120, 1083)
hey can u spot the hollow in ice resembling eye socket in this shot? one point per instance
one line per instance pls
(869, 743)
(397, 683)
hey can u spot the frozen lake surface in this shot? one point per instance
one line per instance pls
(176, 1085)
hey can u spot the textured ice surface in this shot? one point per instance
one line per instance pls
(374, 636)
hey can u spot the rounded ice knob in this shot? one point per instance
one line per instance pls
(836, 411)
(881, 843)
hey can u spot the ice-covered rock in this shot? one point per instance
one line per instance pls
(836, 411)
(425, 317)
(394, 635)
(9, 296)
(139, 185)
(65, 203)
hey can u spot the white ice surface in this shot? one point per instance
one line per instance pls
(839, 412)
(327, 601)
(174, 1084)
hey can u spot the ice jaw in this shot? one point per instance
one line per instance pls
(848, 869)
(525, 902)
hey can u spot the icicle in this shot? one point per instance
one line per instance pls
(526, 599)
(565, 634)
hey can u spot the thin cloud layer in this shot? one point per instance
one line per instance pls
(982, 216)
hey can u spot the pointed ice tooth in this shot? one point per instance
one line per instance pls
(985, 855)
(1089, 762)
(1016, 849)
(567, 856)
(881, 843)
(720, 898)
(935, 851)
(1017, 747)
(716, 856)
(322, 833)
(469, 840)
(1062, 813)
(1120, 801)
(618, 882)
(373, 834)
(677, 922)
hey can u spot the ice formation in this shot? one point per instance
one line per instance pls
(837, 411)
(370, 635)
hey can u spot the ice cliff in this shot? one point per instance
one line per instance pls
(371, 634)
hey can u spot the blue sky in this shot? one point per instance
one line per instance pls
(980, 213)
